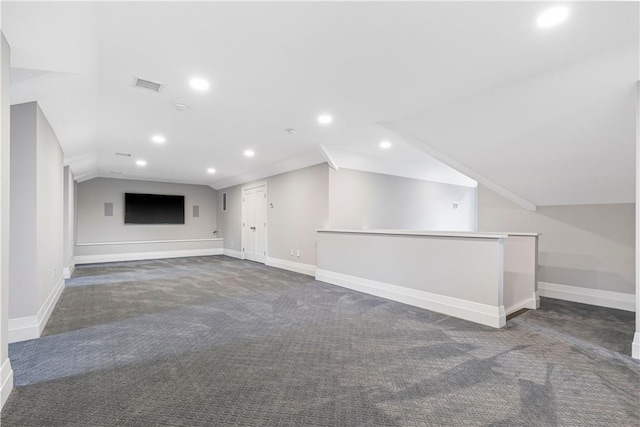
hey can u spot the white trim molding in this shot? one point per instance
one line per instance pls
(6, 381)
(28, 328)
(618, 300)
(138, 256)
(147, 241)
(298, 267)
(455, 307)
(68, 271)
(635, 346)
(232, 253)
(532, 303)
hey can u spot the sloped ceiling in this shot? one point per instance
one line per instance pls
(545, 116)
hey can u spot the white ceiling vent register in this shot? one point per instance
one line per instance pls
(148, 84)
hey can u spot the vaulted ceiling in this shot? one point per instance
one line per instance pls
(543, 115)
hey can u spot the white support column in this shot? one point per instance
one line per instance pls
(635, 347)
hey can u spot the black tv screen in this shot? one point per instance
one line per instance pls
(153, 209)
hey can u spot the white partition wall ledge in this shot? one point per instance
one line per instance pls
(460, 274)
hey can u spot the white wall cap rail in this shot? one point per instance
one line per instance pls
(463, 234)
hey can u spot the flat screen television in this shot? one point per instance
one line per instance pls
(153, 209)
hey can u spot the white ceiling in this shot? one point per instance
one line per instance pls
(544, 116)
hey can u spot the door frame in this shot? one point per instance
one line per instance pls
(252, 186)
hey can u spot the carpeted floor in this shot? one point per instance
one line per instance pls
(217, 341)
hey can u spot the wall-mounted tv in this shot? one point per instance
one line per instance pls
(153, 209)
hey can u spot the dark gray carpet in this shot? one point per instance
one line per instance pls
(605, 327)
(217, 341)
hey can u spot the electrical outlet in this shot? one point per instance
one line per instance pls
(298, 253)
(291, 252)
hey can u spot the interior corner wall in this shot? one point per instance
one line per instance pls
(6, 373)
(69, 221)
(297, 206)
(584, 246)
(366, 200)
(36, 224)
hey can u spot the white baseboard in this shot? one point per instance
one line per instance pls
(598, 297)
(137, 256)
(28, 328)
(68, 271)
(468, 310)
(6, 381)
(635, 347)
(533, 303)
(298, 267)
(233, 253)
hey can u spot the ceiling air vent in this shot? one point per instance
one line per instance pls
(123, 154)
(148, 84)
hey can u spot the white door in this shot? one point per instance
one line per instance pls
(254, 223)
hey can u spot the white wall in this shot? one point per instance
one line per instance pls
(586, 246)
(6, 373)
(36, 225)
(366, 200)
(300, 206)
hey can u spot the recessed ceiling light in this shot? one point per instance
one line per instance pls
(141, 163)
(199, 84)
(249, 153)
(211, 170)
(158, 139)
(553, 16)
(324, 119)
(385, 144)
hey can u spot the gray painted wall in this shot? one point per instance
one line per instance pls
(300, 206)
(94, 226)
(230, 221)
(49, 208)
(5, 59)
(36, 211)
(69, 215)
(590, 246)
(365, 200)
(23, 241)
